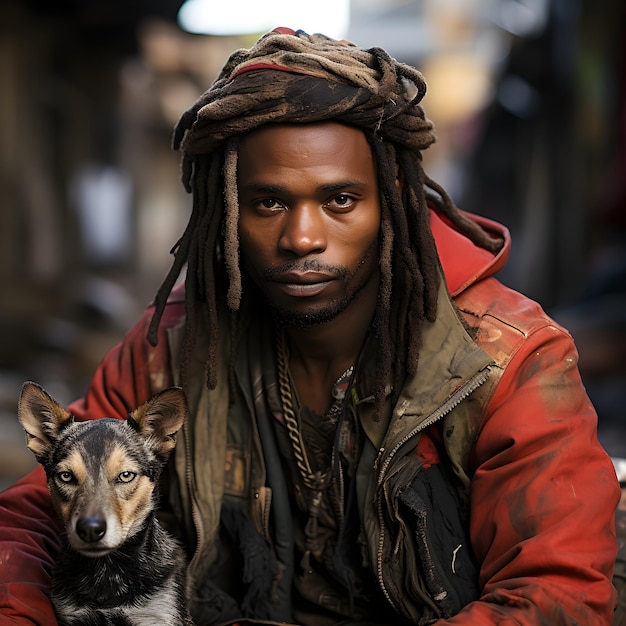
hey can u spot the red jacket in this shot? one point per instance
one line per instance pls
(543, 491)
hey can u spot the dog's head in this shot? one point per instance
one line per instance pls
(102, 474)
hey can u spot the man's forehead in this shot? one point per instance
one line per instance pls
(278, 128)
(327, 156)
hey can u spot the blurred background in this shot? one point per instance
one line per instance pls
(528, 98)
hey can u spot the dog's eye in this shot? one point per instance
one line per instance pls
(126, 477)
(65, 477)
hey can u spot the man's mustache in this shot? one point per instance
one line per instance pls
(303, 266)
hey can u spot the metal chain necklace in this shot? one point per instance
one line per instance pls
(315, 480)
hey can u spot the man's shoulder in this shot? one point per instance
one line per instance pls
(174, 310)
(502, 318)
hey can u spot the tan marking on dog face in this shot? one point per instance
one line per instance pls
(117, 463)
(69, 479)
(130, 500)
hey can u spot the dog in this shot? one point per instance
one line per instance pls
(119, 566)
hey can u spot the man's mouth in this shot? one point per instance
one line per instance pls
(302, 284)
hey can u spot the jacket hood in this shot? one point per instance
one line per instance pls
(463, 262)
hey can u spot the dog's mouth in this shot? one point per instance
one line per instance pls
(95, 535)
(94, 551)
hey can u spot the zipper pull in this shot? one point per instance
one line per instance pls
(378, 459)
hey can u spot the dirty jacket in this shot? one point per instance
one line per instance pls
(499, 412)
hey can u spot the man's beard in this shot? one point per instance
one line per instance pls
(306, 318)
(313, 317)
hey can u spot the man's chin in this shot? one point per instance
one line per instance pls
(306, 319)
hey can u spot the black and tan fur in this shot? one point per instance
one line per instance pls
(119, 566)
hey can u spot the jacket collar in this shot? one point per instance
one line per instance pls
(463, 262)
(451, 364)
(449, 358)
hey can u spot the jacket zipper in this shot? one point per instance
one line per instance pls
(195, 515)
(451, 403)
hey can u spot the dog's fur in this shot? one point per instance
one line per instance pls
(120, 566)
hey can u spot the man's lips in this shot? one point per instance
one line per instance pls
(302, 284)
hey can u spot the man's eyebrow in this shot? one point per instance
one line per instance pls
(338, 186)
(262, 188)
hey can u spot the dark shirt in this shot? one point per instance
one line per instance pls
(333, 578)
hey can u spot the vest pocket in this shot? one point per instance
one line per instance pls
(434, 515)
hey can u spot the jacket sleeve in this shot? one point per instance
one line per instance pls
(29, 530)
(29, 539)
(543, 496)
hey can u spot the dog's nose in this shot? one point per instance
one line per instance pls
(91, 529)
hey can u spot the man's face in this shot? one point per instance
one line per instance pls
(309, 218)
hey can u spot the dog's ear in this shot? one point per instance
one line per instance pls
(42, 418)
(160, 418)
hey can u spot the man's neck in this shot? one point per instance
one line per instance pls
(320, 354)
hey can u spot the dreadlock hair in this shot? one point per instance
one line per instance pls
(293, 77)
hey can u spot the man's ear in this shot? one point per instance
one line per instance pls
(41, 417)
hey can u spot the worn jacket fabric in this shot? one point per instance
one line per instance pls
(496, 422)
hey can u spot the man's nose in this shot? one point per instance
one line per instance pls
(304, 230)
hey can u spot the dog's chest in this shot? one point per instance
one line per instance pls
(163, 608)
(106, 592)
(159, 609)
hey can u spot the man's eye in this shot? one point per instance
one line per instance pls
(268, 206)
(269, 203)
(342, 201)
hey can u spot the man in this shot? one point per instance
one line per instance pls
(379, 432)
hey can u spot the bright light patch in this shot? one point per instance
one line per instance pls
(243, 17)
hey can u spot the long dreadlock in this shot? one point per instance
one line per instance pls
(293, 77)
